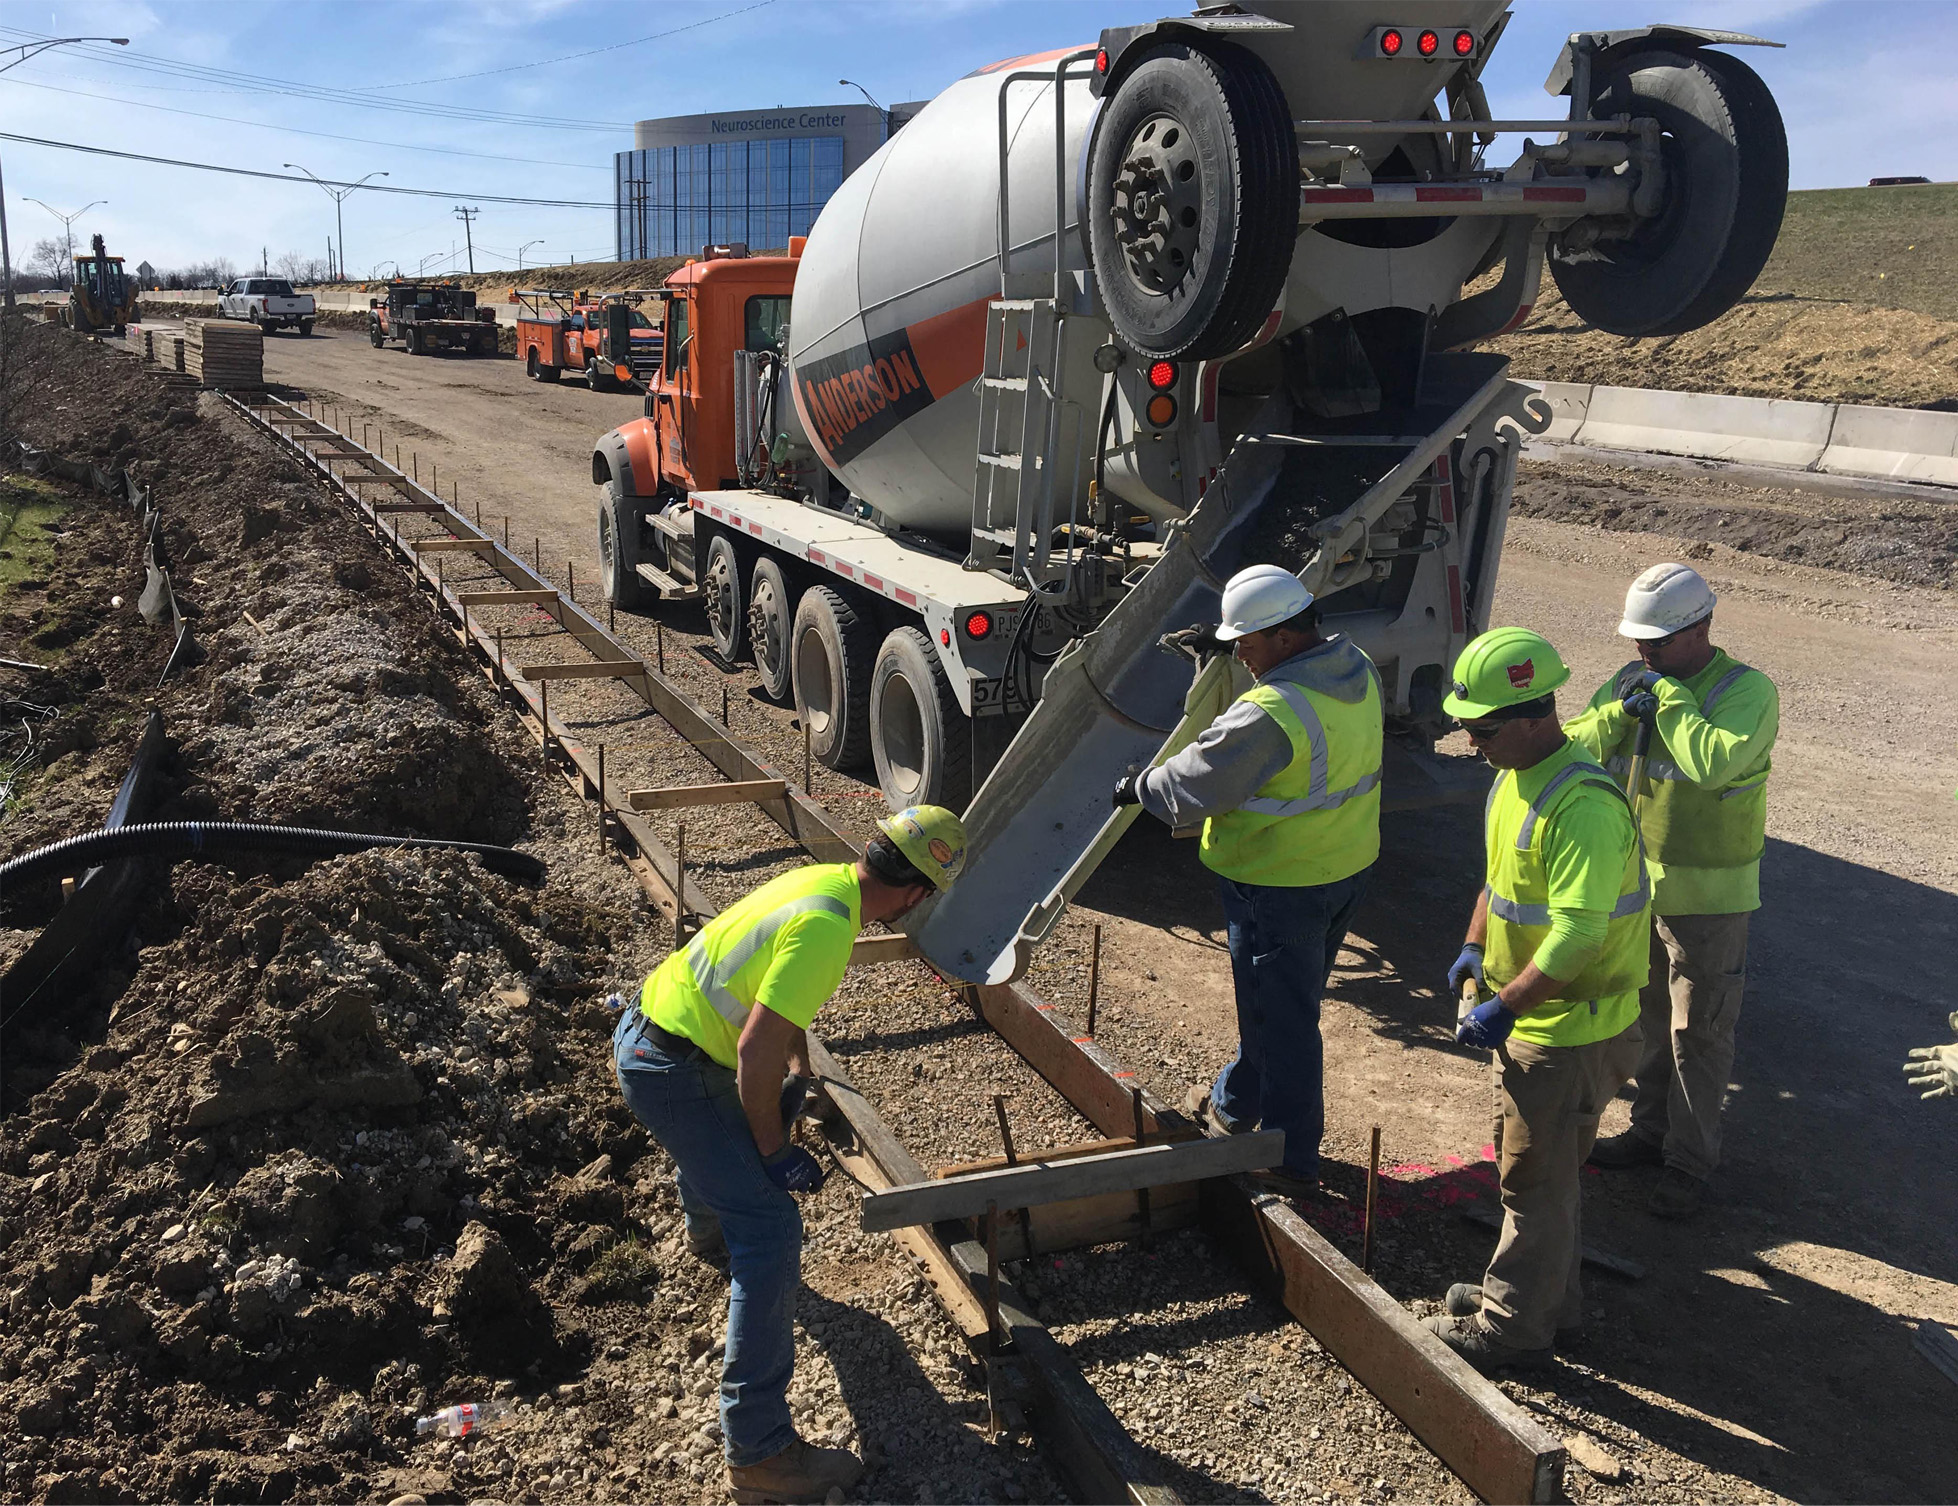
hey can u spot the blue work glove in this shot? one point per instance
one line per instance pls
(795, 1093)
(1469, 962)
(1125, 791)
(1486, 1026)
(793, 1169)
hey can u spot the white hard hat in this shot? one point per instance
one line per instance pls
(1259, 597)
(1665, 599)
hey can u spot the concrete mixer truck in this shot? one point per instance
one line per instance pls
(1100, 326)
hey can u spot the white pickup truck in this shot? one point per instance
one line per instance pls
(268, 302)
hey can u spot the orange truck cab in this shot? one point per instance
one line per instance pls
(608, 339)
(727, 301)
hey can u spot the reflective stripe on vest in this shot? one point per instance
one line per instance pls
(712, 978)
(1539, 915)
(1317, 797)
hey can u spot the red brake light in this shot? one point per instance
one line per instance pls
(978, 624)
(1162, 375)
(1391, 42)
(1101, 60)
(1427, 44)
(1464, 43)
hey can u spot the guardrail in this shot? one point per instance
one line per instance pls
(1838, 439)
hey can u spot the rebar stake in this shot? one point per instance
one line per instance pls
(679, 886)
(611, 616)
(601, 799)
(1094, 980)
(1373, 1187)
(506, 531)
(1141, 1193)
(659, 644)
(537, 557)
(544, 719)
(724, 705)
(1006, 1144)
(571, 582)
(992, 1278)
(434, 484)
(497, 675)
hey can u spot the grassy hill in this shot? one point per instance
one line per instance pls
(1890, 247)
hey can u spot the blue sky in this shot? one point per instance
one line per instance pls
(1865, 86)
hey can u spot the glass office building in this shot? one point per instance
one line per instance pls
(754, 177)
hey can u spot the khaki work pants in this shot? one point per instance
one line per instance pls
(1552, 1097)
(1688, 1012)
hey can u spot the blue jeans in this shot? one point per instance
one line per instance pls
(1283, 946)
(688, 1101)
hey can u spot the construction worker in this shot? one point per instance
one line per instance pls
(1703, 812)
(1559, 934)
(1287, 785)
(702, 1062)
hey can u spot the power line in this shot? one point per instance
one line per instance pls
(589, 52)
(251, 172)
(402, 146)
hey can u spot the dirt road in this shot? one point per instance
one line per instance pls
(1764, 1354)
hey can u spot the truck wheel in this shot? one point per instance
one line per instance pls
(536, 370)
(1193, 200)
(374, 336)
(920, 741)
(595, 377)
(720, 589)
(413, 340)
(305, 326)
(618, 549)
(771, 620)
(834, 650)
(1725, 155)
(268, 326)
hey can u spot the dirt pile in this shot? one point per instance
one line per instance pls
(1770, 345)
(1903, 539)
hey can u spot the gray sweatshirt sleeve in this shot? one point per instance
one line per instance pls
(1228, 763)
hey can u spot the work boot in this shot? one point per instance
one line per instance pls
(1623, 1152)
(1464, 1300)
(1678, 1195)
(801, 1472)
(1474, 1343)
(706, 1242)
(1197, 1104)
(1286, 1184)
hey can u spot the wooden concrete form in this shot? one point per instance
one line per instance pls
(450, 546)
(502, 598)
(1037, 1181)
(1081, 1436)
(681, 796)
(618, 669)
(1112, 1218)
(871, 951)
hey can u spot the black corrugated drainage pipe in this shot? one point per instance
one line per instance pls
(219, 839)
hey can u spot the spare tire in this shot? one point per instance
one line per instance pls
(1193, 202)
(1725, 153)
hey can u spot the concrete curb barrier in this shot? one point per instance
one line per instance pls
(1898, 444)
(1841, 439)
(1758, 431)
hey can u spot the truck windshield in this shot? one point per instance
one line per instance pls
(277, 287)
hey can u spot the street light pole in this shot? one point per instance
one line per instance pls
(525, 247)
(26, 51)
(853, 84)
(67, 228)
(340, 229)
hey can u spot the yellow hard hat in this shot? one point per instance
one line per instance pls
(932, 838)
(1504, 667)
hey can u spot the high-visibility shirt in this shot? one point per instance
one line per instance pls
(1317, 820)
(1560, 839)
(1704, 804)
(784, 947)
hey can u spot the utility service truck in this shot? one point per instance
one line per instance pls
(1100, 327)
(430, 316)
(607, 339)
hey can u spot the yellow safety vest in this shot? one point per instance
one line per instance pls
(807, 919)
(1695, 828)
(1602, 999)
(1317, 820)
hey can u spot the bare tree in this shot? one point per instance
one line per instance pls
(26, 360)
(48, 260)
(293, 267)
(223, 270)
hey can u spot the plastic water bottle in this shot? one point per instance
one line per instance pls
(466, 1418)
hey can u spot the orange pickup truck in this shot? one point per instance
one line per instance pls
(608, 339)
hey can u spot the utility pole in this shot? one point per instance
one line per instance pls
(468, 216)
(26, 51)
(264, 261)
